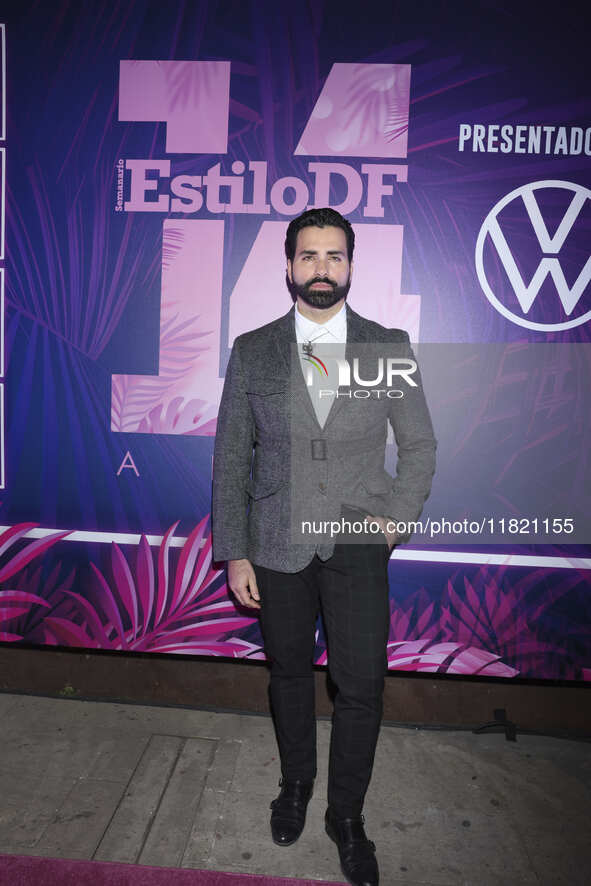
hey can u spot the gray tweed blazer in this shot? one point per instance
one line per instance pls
(276, 470)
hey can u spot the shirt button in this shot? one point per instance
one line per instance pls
(322, 487)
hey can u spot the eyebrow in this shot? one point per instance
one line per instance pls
(315, 252)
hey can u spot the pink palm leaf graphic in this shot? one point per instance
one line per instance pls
(367, 104)
(158, 607)
(18, 602)
(416, 643)
(500, 615)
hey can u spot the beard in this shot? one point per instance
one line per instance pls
(320, 298)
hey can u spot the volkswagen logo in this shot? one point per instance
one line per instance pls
(533, 277)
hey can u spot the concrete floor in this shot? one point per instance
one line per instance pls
(191, 788)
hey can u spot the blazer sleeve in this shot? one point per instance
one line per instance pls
(413, 432)
(231, 465)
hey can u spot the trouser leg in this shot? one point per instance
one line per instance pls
(354, 599)
(289, 608)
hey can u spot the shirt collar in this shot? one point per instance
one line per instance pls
(333, 330)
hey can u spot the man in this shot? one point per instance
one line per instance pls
(287, 449)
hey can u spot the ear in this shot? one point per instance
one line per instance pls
(289, 270)
(351, 270)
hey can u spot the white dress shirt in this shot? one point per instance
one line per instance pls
(334, 330)
(328, 342)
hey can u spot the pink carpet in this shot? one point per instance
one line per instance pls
(27, 870)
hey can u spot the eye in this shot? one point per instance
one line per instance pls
(336, 258)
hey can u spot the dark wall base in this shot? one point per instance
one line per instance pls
(422, 699)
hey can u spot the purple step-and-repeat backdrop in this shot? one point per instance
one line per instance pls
(151, 158)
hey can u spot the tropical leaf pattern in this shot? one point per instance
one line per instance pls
(178, 417)
(22, 606)
(489, 623)
(370, 99)
(153, 606)
(163, 403)
(175, 600)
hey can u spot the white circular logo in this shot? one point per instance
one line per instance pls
(550, 246)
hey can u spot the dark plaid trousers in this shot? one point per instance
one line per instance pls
(351, 590)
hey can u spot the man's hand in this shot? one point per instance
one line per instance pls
(391, 537)
(243, 584)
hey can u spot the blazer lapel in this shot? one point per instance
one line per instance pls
(285, 341)
(356, 334)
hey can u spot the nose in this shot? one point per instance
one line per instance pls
(322, 267)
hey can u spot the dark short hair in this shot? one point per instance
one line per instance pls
(318, 218)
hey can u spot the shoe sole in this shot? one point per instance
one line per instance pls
(278, 843)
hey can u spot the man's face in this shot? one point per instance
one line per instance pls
(320, 273)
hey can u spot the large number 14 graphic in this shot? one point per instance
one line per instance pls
(184, 397)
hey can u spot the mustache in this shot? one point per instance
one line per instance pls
(321, 280)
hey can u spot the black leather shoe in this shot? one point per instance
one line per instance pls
(289, 811)
(357, 853)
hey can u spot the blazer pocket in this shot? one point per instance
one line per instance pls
(262, 386)
(263, 487)
(380, 484)
(269, 404)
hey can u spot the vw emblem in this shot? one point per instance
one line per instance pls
(526, 281)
